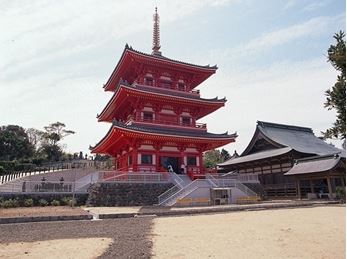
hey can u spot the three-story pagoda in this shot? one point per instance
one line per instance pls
(154, 111)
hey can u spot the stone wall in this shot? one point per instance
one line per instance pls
(125, 194)
(256, 187)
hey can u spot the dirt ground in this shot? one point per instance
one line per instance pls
(79, 248)
(318, 232)
(41, 211)
(117, 238)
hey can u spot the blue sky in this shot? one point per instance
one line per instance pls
(55, 57)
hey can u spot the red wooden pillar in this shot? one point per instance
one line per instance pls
(157, 147)
(135, 146)
(201, 163)
(157, 108)
(182, 148)
(156, 77)
(178, 112)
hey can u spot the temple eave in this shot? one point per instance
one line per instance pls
(118, 135)
(107, 114)
(129, 55)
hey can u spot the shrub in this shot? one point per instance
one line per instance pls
(7, 204)
(65, 200)
(43, 202)
(2, 202)
(28, 203)
(341, 193)
(2, 170)
(11, 203)
(55, 203)
(8, 165)
(69, 201)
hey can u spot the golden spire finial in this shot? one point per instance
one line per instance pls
(156, 34)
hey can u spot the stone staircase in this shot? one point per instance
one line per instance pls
(184, 187)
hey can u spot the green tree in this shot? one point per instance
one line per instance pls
(101, 158)
(225, 155)
(14, 143)
(53, 133)
(212, 158)
(336, 97)
(35, 137)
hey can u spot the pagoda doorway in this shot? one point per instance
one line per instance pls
(165, 161)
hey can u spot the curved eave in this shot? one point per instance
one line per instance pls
(259, 132)
(106, 114)
(129, 55)
(315, 165)
(255, 157)
(97, 149)
(117, 131)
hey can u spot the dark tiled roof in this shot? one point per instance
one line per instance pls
(300, 139)
(169, 92)
(286, 138)
(314, 165)
(256, 156)
(173, 131)
(265, 124)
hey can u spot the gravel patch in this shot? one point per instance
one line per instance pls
(131, 236)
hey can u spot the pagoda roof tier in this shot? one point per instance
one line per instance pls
(121, 133)
(126, 94)
(132, 61)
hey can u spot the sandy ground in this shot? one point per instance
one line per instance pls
(80, 248)
(317, 232)
(112, 210)
(131, 238)
(41, 211)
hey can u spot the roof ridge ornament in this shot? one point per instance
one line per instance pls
(156, 34)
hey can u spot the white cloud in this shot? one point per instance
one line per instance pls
(285, 92)
(315, 5)
(314, 26)
(310, 29)
(289, 4)
(37, 32)
(221, 2)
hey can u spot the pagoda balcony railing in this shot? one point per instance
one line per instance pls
(133, 177)
(201, 126)
(192, 93)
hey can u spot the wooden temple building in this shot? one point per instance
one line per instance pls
(154, 113)
(319, 176)
(289, 161)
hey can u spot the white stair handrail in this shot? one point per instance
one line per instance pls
(177, 181)
(184, 191)
(85, 180)
(230, 181)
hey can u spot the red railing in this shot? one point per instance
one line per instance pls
(134, 177)
(201, 126)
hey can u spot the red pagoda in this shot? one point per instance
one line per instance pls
(154, 112)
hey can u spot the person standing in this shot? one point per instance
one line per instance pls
(183, 169)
